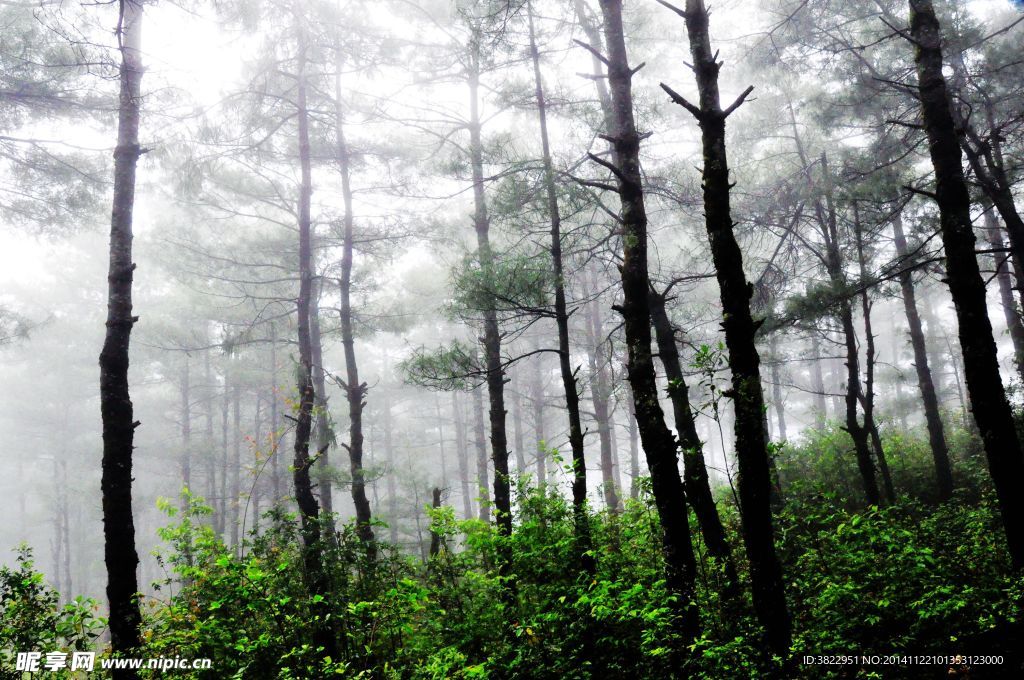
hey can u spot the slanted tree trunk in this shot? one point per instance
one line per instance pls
(695, 472)
(116, 410)
(658, 442)
(581, 522)
(355, 390)
(755, 488)
(988, 398)
(309, 508)
(1003, 278)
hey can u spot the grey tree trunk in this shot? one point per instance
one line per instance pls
(492, 334)
(120, 555)
(355, 389)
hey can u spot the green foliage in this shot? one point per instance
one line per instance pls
(32, 618)
(509, 285)
(910, 578)
(451, 367)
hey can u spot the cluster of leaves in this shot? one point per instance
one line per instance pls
(33, 620)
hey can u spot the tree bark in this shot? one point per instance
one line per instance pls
(355, 390)
(780, 406)
(275, 424)
(186, 425)
(695, 472)
(868, 397)
(120, 555)
(581, 522)
(492, 334)
(539, 431)
(755, 488)
(321, 418)
(827, 222)
(236, 463)
(658, 442)
(461, 451)
(210, 394)
(484, 501)
(435, 538)
(988, 398)
(389, 454)
(517, 431)
(634, 445)
(600, 396)
(1005, 282)
(818, 383)
(309, 508)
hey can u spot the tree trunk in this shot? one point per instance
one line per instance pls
(517, 431)
(355, 390)
(309, 508)
(492, 335)
(222, 494)
(581, 522)
(634, 445)
(210, 393)
(321, 418)
(462, 453)
(236, 464)
(658, 442)
(988, 398)
(484, 501)
(435, 538)
(818, 383)
(539, 432)
(119, 423)
(275, 424)
(186, 426)
(695, 472)
(600, 393)
(389, 454)
(780, 406)
(834, 264)
(755, 488)
(868, 398)
(1003, 278)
